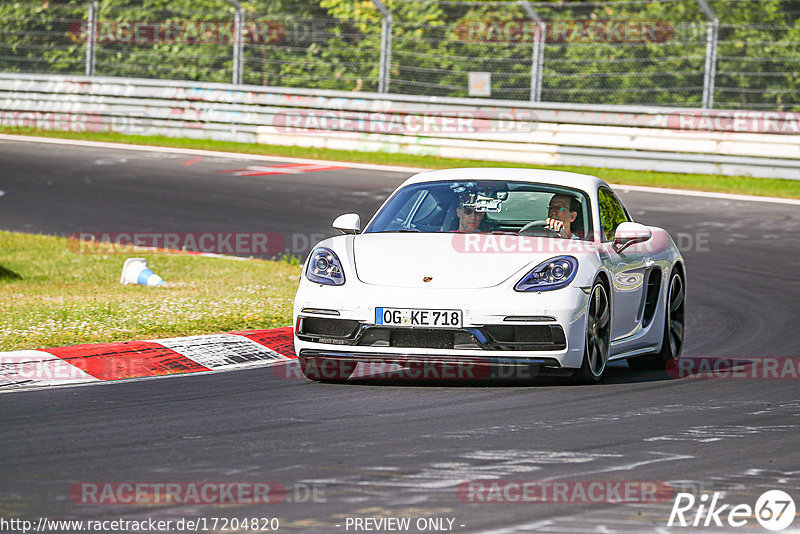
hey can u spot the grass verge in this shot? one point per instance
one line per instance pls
(700, 182)
(51, 296)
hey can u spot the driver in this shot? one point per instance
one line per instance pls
(469, 220)
(561, 213)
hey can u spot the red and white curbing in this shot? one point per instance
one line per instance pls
(80, 364)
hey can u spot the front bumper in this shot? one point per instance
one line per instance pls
(554, 322)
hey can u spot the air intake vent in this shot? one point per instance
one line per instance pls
(323, 326)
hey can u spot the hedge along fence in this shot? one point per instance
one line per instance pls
(729, 54)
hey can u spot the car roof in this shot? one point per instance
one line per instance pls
(583, 182)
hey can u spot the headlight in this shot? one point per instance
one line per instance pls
(554, 273)
(325, 268)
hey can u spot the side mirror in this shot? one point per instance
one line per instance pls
(629, 233)
(349, 223)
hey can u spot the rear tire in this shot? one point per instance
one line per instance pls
(672, 339)
(598, 336)
(326, 369)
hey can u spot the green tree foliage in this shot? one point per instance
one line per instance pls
(632, 52)
(35, 37)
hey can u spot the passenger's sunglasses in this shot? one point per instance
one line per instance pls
(468, 211)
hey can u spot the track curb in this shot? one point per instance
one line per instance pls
(104, 362)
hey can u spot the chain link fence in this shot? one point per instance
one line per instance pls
(728, 54)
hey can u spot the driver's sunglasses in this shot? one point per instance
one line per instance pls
(468, 211)
(556, 208)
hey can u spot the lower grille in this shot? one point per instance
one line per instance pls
(417, 338)
(423, 339)
(525, 337)
(520, 333)
(324, 326)
(489, 337)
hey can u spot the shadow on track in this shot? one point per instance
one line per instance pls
(616, 373)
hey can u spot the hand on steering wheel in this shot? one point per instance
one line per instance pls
(556, 225)
(539, 228)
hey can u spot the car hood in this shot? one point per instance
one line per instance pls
(449, 260)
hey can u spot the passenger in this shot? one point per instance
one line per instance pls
(469, 220)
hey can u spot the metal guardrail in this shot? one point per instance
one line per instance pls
(640, 138)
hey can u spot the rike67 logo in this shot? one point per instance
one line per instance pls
(774, 510)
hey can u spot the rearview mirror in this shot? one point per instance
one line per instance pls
(629, 233)
(349, 223)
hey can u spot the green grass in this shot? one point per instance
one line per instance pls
(700, 182)
(51, 296)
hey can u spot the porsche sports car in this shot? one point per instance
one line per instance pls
(504, 268)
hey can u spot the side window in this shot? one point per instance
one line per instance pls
(611, 213)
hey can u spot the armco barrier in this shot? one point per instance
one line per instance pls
(640, 138)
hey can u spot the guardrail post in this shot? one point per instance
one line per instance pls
(386, 47)
(712, 38)
(91, 41)
(238, 41)
(537, 57)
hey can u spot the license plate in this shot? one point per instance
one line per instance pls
(418, 317)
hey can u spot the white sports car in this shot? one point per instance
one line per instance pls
(496, 268)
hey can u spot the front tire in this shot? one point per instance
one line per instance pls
(326, 369)
(672, 340)
(598, 336)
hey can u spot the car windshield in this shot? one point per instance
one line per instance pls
(489, 205)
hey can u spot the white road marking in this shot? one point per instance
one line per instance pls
(710, 434)
(665, 457)
(368, 166)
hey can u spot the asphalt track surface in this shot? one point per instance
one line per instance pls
(376, 448)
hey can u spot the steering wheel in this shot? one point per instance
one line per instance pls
(538, 228)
